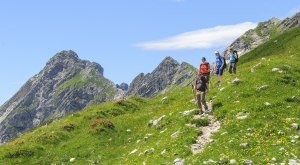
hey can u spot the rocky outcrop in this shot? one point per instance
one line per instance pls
(263, 32)
(168, 72)
(66, 84)
(122, 86)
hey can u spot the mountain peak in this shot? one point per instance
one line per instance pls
(168, 62)
(168, 59)
(65, 55)
(167, 72)
(274, 20)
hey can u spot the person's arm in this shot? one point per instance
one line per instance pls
(223, 62)
(235, 54)
(199, 69)
(208, 68)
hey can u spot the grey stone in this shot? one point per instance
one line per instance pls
(295, 126)
(232, 161)
(175, 134)
(263, 87)
(133, 151)
(244, 145)
(188, 112)
(248, 162)
(267, 104)
(156, 121)
(178, 161)
(236, 81)
(277, 70)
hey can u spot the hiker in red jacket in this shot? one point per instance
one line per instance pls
(204, 69)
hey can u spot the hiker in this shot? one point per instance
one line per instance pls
(233, 58)
(219, 66)
(204, 70)
(201, 88)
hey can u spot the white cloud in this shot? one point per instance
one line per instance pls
(199, 39)
(294, 11)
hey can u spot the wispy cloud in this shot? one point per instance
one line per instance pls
(294, 11)
(199, 39)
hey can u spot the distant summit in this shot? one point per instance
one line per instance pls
(122, 86)
(168, 72)
(66, 84)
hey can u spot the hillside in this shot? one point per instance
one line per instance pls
(259, 121)
(264, 32)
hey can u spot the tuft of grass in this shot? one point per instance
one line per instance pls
(201, 122)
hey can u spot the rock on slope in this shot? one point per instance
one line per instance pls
(168, 72)
(263, 32)
(66, 84)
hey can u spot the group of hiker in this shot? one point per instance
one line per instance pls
(201, 85)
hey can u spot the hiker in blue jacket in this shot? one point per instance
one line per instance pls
(219, 66)
(233, 58)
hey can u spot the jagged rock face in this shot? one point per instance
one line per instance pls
(263, 32)
(122, 86)
(168, 72)
(66, 84)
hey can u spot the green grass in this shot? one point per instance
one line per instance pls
(107, 133)
(78, 81)
(261, 129)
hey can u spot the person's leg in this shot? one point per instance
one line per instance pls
(199, 102)
(203, 102)
(230, 68)
(217, 77)
(234, 68)
(207, 79)
(220, 75)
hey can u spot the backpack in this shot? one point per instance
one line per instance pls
(201, 84)
(237, 56)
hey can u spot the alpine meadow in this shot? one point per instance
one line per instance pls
(73, 111)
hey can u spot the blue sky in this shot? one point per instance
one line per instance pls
(126, 36)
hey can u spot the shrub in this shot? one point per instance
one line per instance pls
(101, 124)
(19, 153)
(68, 127)
(200, 122)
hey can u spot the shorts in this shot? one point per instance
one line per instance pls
(219, 71)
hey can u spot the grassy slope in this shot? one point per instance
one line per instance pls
(265, 121)
(74, 136)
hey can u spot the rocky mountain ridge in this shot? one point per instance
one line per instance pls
(66, 84)
(263, 32)
(168, 72)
